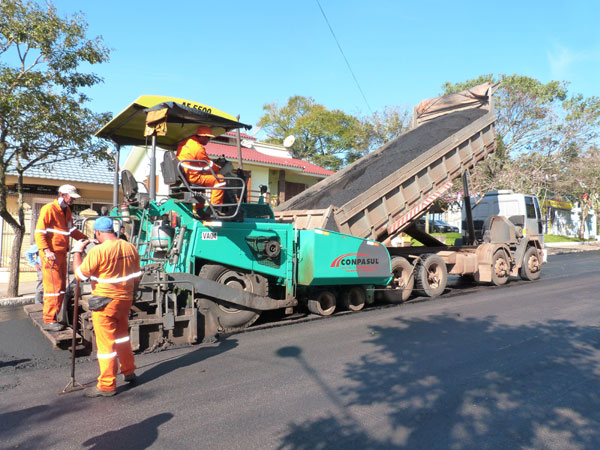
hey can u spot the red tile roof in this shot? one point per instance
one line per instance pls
(251, 155)
(242, 135)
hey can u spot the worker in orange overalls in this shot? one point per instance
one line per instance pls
(114, 270)
(199, 173)
(52, 232)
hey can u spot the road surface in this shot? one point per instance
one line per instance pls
(510, 367)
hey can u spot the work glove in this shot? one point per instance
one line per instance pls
(79, 246)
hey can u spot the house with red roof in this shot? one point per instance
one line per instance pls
(93, 179)
(265, 164)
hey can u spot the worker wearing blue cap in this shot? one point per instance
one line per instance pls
(113, 267)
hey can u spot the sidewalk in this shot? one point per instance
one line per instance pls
(27, 288)
(557, 248)
(26, 294)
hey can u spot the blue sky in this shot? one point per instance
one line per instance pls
(239, 55)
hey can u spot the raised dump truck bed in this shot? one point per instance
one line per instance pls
(383, 193)
(378, 195)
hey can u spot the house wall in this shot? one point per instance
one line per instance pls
(138, 164)
(91, 195)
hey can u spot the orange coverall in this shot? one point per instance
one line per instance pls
(53, 230)
(198, 173)
(114, 269)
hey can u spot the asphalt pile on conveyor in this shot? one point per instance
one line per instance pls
(358, 177)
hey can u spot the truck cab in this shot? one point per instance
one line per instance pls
(521, 209)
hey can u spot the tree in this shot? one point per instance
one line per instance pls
(531, 136)
(581, 182)
(382, 127)
(329, 138)
(42, 114)
(324, 137)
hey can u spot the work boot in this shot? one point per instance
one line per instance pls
(53, 326)
(130, 378)
(95, 392)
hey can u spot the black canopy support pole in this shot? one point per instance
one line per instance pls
(152, 183)
(116, 181)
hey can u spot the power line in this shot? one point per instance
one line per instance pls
(345, 59)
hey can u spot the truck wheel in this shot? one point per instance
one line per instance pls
(354, 298)
(431, 275)
(500, 268)
(531, 268)
(229, 317)
(403, 281)
(323, 304)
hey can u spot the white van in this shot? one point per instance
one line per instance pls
(521, 209)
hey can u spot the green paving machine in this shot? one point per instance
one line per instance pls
(216, 268)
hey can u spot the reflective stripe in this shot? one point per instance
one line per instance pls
(40, 231)
(72, 229)
(212, 224)
(195, 168)
(121, 340)
(220, 184)
(80, 274)
(54, 230)
(106, 355)
(117, 280)
(55, 295)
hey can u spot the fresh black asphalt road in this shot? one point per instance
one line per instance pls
(499, 368)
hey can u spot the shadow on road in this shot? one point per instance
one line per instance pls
(134, 437)
(14, 362)
(169, 365)
(538, 386)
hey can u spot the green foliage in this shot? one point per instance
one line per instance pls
(329, 138)
(323, 137)
(42, 112)
(43, 117)
(550, 238)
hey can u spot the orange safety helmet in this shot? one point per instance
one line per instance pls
(204, 131)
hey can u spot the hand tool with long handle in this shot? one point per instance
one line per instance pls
(74, 385)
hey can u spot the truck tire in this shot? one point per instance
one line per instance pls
(431, 275)
(228, 317)
(354, 298)
(500, 268)
(531, 268)
(403, 281)
(323, 305)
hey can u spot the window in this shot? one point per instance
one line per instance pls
(530, 208)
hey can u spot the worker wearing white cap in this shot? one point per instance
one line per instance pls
(52, 232)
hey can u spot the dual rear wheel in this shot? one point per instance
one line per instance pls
(324, 303)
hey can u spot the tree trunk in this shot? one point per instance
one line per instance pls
(18, 227)
(15, 260)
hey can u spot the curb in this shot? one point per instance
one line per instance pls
(24, 300)
(567, 244)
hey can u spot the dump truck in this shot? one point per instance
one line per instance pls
(385, 193)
